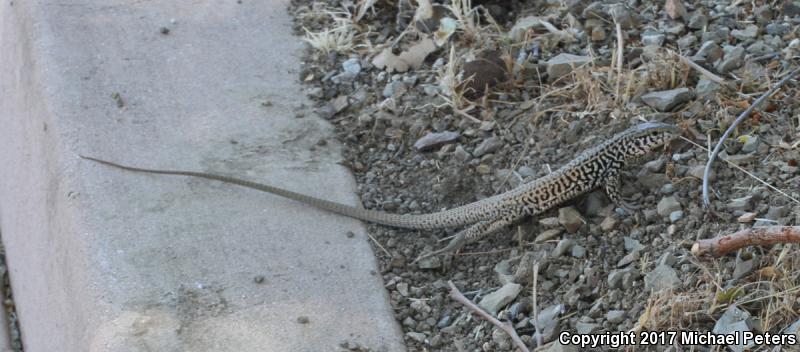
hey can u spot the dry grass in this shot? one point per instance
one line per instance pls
(771, 294)
(339, 35)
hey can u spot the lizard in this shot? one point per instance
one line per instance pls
(600, 166)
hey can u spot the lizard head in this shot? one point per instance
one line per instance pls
(646, 137)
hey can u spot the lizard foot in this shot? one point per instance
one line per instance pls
(455, 244)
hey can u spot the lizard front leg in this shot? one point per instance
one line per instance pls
(613, 185)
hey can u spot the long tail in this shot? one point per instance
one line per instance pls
(448, 218)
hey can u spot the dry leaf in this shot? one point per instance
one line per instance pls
(424, 10)
(769, 273)
(447, 26)
(675, 9)
(411, 58)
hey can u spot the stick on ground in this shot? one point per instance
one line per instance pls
(458, 296)
(759, 236)
(730, 129)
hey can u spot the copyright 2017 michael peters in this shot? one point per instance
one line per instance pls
(645, 338)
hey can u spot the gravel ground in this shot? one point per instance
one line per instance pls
(520, 88)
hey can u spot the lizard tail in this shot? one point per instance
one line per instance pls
(447, 218)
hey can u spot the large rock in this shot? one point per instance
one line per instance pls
(570, 218)
(665, 100)
(734, 58)
(663, 277)
(734, 320)
(496, 300)
(667, 205)
(563, 64)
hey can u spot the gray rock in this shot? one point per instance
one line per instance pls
(665, 100)
(503, 271)
(548, 321)
(578, 251)
(435, 140)
(461, 154)
(742, 268)
(778, 29)
(676, 28)
(430, 263)
(675, 215)
(794, 329)
(526, 171)
(661, 278)
(547, 235)
(650, 37)
(628, 258)
(416, 336)
(686, 41)
(622, 278)
(740, 204)
(759, 48)
(790, 9)
(517, 32)
(402, 288)
(667, 205)
(763, 14)
(489, 145)
(655, 166)
(621, 14)
(706, 89)
(749, 32)
(667, 259)
(732, 321)
(496, 300)
(394, 89)
(570, 218)
(777, 212)
(609, 223)
(750, 144)
(632, 245)
(698, 170)
(563, 64)
(420, 306)
(444, 322)
(586, 328)
(615, 316)
(430, 89)
(352, 66)
(709, 52)
(562, 247)
(501, 339)
(653, 181)
(732, 60)
(697, 21)
(719, 35)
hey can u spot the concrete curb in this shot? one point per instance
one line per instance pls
(103, 260)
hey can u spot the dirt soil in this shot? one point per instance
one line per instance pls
(444, 105)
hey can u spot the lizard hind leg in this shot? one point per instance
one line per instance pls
(468, 235)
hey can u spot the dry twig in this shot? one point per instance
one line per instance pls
(458, 296)
(759, 236)
(710, 75)
(730, 129)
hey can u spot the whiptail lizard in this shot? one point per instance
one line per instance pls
(595, 167)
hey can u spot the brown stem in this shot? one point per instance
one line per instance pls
(458, 296)
(760, 236)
